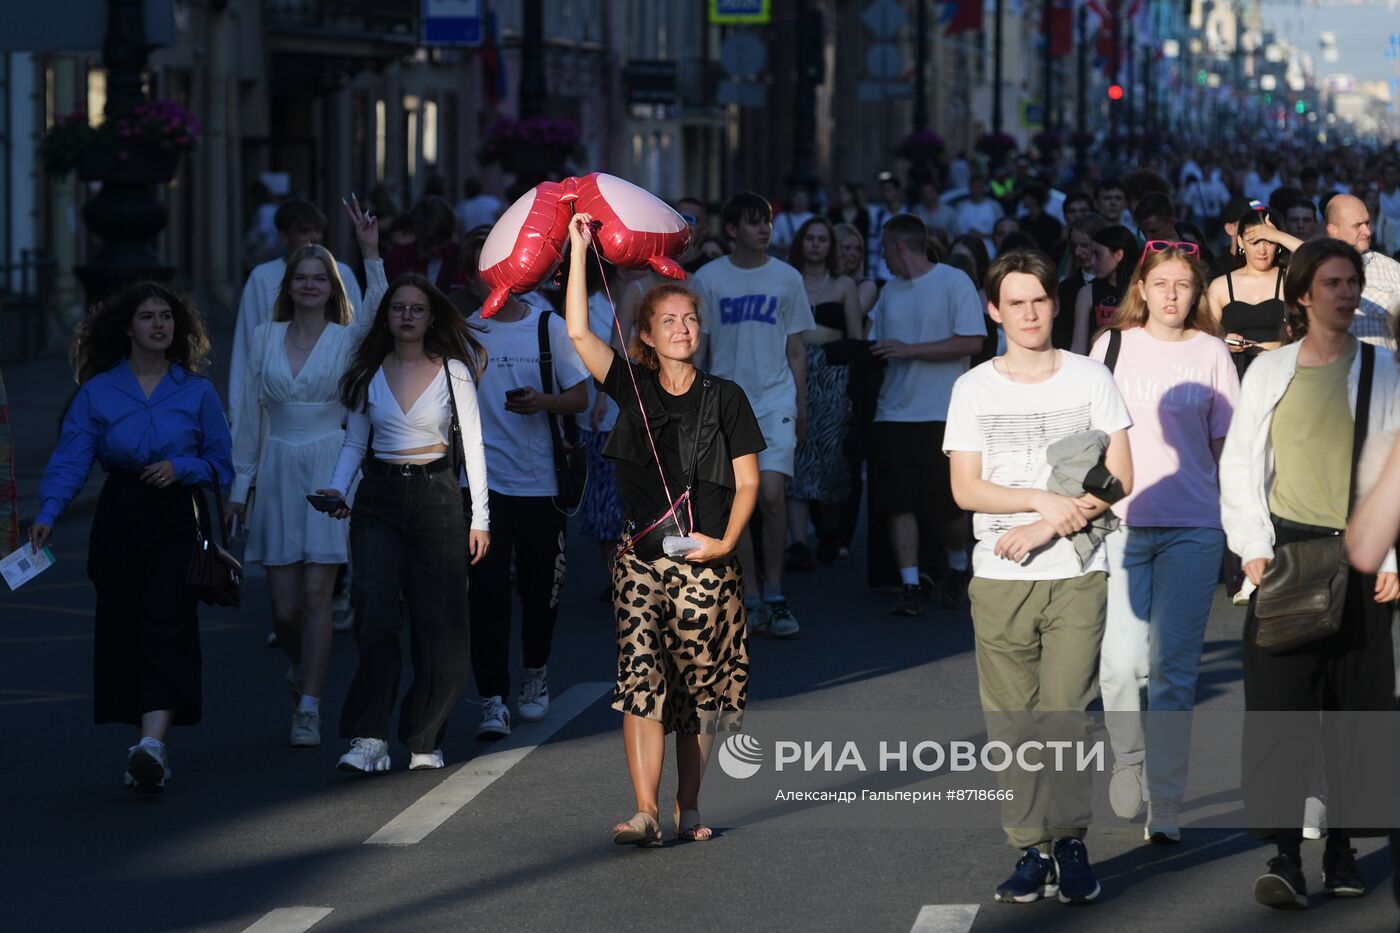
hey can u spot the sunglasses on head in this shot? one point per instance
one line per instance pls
(1161, 246)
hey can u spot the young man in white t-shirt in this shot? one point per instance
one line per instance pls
(1037, 610)
(525, 523)
(927, 323)
(299, 223)
(754, 310)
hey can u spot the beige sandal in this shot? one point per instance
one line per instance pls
(689, 826)
(642, 830)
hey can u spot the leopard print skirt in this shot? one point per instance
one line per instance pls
(682, 644)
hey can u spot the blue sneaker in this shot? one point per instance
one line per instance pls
(1077, 882)
(1033, 879)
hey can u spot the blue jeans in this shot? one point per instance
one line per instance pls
(1160, 586)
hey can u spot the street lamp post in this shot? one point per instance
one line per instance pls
(997, 67)
(125, 214)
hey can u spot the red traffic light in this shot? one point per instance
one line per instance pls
(1115, 92)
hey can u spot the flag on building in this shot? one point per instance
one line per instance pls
(962, 16)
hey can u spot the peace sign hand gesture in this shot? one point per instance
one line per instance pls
(366, 227)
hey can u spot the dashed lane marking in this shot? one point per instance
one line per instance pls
(945, 918)
(289, 920)
(436, 806)
(38, 696)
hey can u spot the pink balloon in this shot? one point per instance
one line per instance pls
(527, 243)
(637, 228)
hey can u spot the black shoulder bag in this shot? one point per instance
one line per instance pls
(1304, 588)
(570, 463)
(214, 575)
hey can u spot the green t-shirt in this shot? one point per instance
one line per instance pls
(1312, 437)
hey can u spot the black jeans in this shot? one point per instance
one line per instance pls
(407, 536)
(532, 530)
(1295, 701)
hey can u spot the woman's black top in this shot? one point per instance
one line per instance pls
(830, 314)
(1104, 304)
(1262, 321)
(1062, 331)
(726, 427)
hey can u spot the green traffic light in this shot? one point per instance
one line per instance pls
(1300, 107)
(1201, 76)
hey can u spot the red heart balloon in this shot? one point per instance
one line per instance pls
(527, 243)
(636, 228)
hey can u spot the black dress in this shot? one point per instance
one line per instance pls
(1261, 322)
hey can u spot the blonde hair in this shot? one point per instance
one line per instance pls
(337, 306)
(1132, 311)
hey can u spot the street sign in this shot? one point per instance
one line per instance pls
(453, 22)
(743, 93)
(651, 81)
(740, 12)
(743, 54)
(885, 18)
(78, 26)
(884, 61)
(1032, 115)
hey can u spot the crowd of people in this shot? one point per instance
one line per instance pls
(1076, 402)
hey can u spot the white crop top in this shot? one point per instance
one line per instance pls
(428, 421)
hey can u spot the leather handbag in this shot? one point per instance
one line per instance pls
(570, 460)
(1303, 590)
(214, 575)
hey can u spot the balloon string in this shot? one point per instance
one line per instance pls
(641, 406)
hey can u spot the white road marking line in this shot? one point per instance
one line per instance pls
(945, 918)
(435, 807)
(289, 920)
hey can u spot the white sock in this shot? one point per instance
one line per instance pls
(309, 704)
(957, 559)
(909, 576)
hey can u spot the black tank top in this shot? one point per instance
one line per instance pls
(1262, 321)
(830, 314)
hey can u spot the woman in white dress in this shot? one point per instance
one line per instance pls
(288, 434)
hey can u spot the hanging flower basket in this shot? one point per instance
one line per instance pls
(996, 145)
(144, 145)
(921, 147)
(537, 140)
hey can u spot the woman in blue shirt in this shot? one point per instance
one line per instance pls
(158, 428)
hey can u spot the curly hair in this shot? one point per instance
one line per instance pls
(337, 308)
(103, 338)
(651, 303)
(449, 337)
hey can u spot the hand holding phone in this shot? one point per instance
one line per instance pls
(328, 504)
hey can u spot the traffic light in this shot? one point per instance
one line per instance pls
(1301, 107)
(1115, 92)
(1201, 77)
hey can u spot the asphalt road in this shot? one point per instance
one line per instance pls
(250, 829)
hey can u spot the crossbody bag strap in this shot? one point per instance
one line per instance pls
(1115, 345)
(547, 384)
(457, 452)
(1362, 419)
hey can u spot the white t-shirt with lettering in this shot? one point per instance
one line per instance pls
(1011, 424)
(939, 304)
(748, 315)
(519, 450)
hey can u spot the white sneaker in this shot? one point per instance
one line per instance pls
(146, 766)
(366, 755)
(1314, 818)
(495, 719)
(1162, 826)
(306, 729)
(533, 703)
(430, 761)
(1125, 791)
